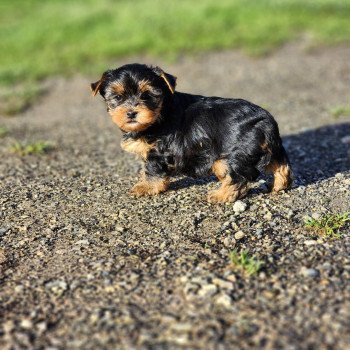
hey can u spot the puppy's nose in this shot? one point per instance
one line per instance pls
(131, 114)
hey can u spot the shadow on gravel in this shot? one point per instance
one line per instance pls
(318, 154)
(315, 154)
(188, 182)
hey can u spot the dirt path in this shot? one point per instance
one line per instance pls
(85, 266)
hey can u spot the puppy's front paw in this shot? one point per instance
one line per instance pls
(149, 188)
(219, 196)
(143, 189)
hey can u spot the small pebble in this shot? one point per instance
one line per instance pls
(239, 207)
(227, 241)
(3, 230)
(41, 326)
(223, 283)
(19, 289)
(268, 216)
(290, 214)
(309, 272)
(259, 232)
(57, 286)
(223, 300)
(231, 277)
(82, 242)
(310, 242)
(345, 139)
(26, 324)
(326, 266)
(239, 235)
(234, 226)
(207, 291)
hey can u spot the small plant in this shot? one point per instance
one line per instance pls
(249, 264)
(329, 225)
(3, 131)
(341, 111)
(40, 147)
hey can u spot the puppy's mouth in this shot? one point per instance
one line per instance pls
(134, 121)
(134, 125)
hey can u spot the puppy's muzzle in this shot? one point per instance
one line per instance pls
(131, 115)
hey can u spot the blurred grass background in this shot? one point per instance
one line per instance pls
(41, 38)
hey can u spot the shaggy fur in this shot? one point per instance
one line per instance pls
(184, 134)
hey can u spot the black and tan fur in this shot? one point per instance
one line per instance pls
(182, 134)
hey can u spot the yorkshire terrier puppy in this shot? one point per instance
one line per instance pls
(183, 134)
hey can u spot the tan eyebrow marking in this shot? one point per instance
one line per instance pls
(118, 88)
(144, 85)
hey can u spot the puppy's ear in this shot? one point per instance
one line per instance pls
(169, 79)
(95, 87)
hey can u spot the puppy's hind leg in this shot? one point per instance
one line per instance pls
(229, 190)
(282, 175)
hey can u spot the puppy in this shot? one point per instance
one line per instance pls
(183, 134)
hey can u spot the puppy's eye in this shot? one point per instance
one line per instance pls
(145, 95)
(114, 100)
(157, 92)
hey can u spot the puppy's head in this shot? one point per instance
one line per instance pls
(135, 94)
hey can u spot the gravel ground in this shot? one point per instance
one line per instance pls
(85, 266)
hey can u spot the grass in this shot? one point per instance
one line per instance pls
(341, 112)
(35, 148)
(45, 38)
(248, 264)
(3, 131)
(329, 225)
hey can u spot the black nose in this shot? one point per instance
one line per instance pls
(131, 115)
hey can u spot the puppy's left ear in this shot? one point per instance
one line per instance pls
(169, 79)
(95, 87)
